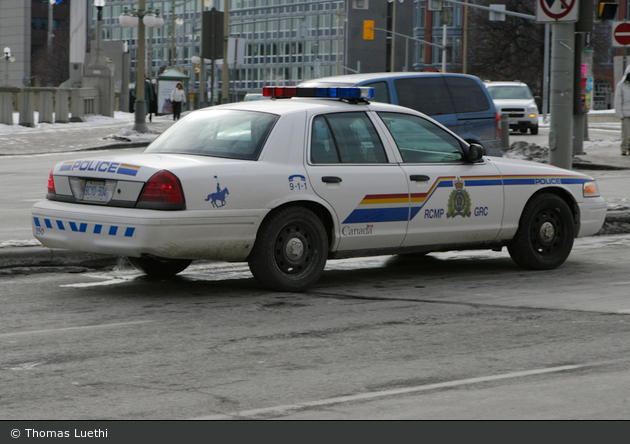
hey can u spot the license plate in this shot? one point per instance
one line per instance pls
(95, 191)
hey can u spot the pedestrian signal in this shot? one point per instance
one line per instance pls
(368, 29)
(606, 10)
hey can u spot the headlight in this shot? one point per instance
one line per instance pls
(532, 109)
(589, 189)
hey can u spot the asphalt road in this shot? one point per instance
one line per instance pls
(452, 336)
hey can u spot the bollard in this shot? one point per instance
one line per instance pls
(505, 132)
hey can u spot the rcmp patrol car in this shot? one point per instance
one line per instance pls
(312, 175)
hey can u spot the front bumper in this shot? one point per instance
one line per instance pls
(592, 216)
(132, 232)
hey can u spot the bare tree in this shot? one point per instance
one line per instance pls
(50, 66)
(507, 50)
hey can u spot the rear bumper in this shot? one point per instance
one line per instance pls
(133, 232)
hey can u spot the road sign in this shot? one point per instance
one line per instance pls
(557, 10)
(621, 33)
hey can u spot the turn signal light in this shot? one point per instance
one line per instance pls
(163, 191)
(590, 189)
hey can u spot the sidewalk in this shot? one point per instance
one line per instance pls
(601, 160)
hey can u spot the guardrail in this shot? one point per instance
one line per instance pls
(53, 105)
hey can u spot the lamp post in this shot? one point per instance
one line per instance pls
(9, 58)
(99, 28)
(151, 19)
(50, 23)
(393, 45)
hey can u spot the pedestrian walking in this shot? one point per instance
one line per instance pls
(622, 110)
(178, 98)
(151, 98)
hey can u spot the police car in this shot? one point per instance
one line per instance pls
(312, 175)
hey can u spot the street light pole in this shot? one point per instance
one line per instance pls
(50, 23)
(149, 18)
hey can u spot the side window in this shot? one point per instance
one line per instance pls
(345, 138)
(421, 141)
(429, 95)
(323, 147)
(381, 91)
(468, 95)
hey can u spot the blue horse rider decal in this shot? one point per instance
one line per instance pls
(218, 199)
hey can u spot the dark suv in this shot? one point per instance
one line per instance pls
(458, 101)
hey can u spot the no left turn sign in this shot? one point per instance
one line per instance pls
(557, 10)
(621, 33)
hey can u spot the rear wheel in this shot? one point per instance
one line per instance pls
(545, 234)
(290, 250)
(159, 267)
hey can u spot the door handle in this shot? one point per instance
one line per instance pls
(331, 179)
(419, 177)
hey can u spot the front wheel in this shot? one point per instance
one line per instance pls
(156, 267)
(290, 250)
(545, 234)
(534, 130)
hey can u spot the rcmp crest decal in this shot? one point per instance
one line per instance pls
(459, 200)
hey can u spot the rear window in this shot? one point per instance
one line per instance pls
(219, 133)
(427, 95)
(468, 95)
(381, 91)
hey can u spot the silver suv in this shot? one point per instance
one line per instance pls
(516, 100)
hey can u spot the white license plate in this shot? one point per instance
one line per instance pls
(95, 191)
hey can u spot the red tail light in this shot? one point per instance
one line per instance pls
(497, 121)
(51, 183)
(163, 191)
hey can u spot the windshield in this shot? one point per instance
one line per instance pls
(510, 92)
(219, 133)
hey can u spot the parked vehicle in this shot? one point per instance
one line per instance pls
(516, 100)
(458, 101)
(312, 175)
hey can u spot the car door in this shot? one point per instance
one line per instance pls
(348, 166)
(452, 201)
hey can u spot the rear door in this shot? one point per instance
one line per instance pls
(348, 166)
(474, 109)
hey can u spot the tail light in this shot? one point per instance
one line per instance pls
(497, 121)
(51, 184)
(163, 191)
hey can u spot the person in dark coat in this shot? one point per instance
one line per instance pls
(150, 97)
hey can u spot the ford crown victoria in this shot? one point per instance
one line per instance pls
(312, 175)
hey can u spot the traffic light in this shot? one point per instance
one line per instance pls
(434, 5)
(368, 29)
(606, 10)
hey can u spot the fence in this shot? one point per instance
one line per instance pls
(53, 105)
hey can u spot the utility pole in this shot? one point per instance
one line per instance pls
(226, 69)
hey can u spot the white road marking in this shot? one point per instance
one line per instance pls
(282, 410)
(86, 327)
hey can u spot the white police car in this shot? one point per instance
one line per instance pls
(287, 184)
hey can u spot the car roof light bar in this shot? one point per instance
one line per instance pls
(350, 93)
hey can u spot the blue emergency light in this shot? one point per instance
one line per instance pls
(351, 93)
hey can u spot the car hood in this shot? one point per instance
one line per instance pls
(513, 102)
(134, 167)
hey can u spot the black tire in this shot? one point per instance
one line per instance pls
(290, 251)
(544, 238)
(534, 130)
(158, 267)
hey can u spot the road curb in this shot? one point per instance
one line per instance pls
(14, 257)
(617, 222)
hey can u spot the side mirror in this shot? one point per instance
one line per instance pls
(475, 152)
